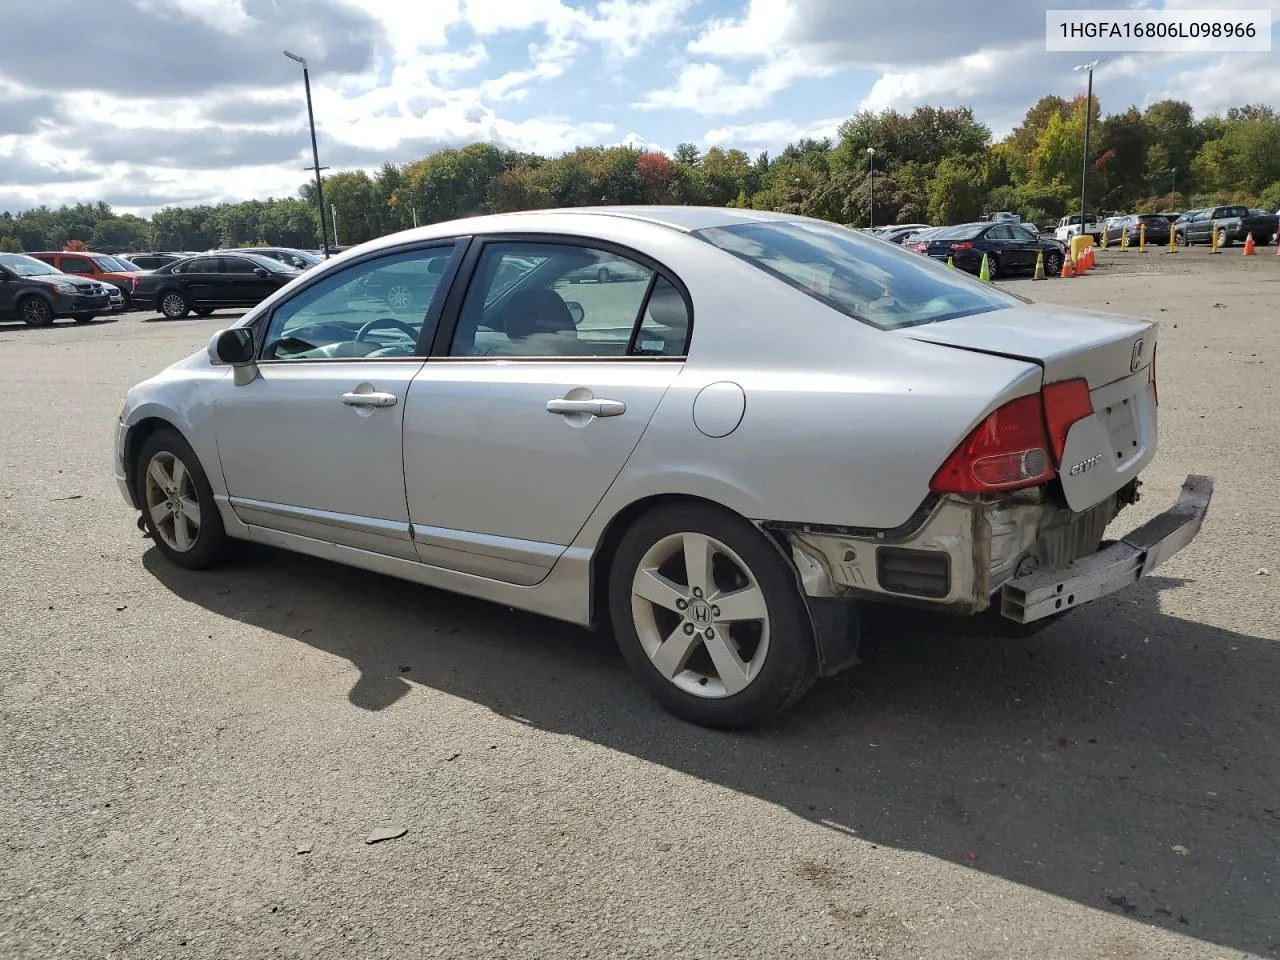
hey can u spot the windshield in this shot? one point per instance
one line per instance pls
(112, 264)
(26, 266)
(875, 282)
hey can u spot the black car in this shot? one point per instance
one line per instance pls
(152, 261)
(207, 283)
(1010, 248)
(37, 294)
(1157, 228)
(302, 259)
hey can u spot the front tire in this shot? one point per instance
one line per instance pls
(35, 312)
(88, 319)
(204, 311)
(178, 510)
(174, 304)
(708, 613)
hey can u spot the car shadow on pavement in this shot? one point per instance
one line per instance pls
(1123, 759)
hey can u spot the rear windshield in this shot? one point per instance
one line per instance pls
(966, 231)
(872, 281)
(1234, 212)
(1154, 218)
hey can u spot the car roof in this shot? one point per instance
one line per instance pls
(683, 219)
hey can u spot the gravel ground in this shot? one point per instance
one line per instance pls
(172, 742)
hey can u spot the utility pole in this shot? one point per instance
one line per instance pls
(1088, 117)
(315, 152)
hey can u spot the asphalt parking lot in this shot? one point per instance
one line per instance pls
(191, 763)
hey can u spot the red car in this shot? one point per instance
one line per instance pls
(99, 266)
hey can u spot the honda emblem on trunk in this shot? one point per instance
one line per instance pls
(1135, 362)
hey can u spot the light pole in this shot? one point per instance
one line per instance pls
(871, 220)
(1088, 116)
(315, 152)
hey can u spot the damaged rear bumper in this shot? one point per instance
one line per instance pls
(1114, 567)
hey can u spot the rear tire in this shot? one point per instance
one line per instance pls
(993, 266)
(174, 304)
(35, 312)
(178, 510)
(726, 664)
(1053, 265)
(1223, 239)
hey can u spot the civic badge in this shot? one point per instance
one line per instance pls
(1135, 362)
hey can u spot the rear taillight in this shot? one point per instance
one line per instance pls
(1008, 450)
(1065, 403)
(920, 247)
(966, 245)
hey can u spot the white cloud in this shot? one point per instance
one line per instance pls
(770, 134)
(755, 35)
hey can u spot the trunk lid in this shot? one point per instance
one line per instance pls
(1112, 353)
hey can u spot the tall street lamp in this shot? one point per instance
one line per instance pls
(871, 155)
(315, 152)
(1088, 116)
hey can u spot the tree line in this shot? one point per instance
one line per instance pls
(935, 165)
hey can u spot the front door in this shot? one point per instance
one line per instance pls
(242, 286)
(513, 438)
(312, 446)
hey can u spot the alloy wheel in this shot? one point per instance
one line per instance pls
(700, 615)
(36, 313)
(172, 501)
(399, 297)
(173, 305)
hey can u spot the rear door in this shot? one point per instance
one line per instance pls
(202, 277)
(1002, 244)
(516, 428)
(241, 284)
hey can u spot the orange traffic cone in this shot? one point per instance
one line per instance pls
(1084, 261)
(1248, 245)
(1066, 268)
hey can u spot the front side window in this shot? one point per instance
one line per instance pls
(544, 299)
(375, 308)
(878, 283)
(236, 265)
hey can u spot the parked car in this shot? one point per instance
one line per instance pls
(1233, 223)
(609, 270)
(663, 462)
(301, 259)
(152, 261)
(98, 266)
(1157, 228)
(1009, 247)
(117, 302)
(37, 294)
(1069, 227)
(206, 283)
(899, 234)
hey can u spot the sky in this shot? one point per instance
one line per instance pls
(148, 103)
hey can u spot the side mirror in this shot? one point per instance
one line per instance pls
(262, 271)
(575, 311)
(232, 347)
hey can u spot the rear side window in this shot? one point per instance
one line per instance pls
(548, 299)
(76, 265)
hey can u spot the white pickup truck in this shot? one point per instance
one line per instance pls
(1069, 227)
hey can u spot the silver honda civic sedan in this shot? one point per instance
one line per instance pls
(758, 425)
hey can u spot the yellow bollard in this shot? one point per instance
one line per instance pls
(1213, 238)
(1173, 248)
(1104, 239)
(1124, 239)
(1142, 238)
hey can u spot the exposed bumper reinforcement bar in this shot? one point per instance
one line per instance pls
(1112, 568)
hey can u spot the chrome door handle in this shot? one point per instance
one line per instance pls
(374, 399)
(597, 408)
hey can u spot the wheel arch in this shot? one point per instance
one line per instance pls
(36, 294)
(134, 439)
